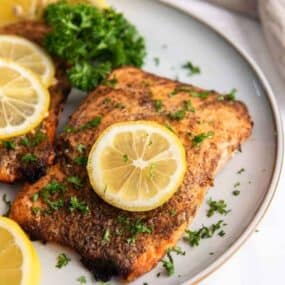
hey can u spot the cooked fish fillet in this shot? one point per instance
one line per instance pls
(127, 252)
(11, 167)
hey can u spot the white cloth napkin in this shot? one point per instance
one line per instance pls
(272, 16)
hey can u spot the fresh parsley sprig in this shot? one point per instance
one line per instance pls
(91, 41)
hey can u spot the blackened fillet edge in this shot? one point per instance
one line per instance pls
(135, 91)
(11, 167)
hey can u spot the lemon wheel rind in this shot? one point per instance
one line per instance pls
(48, 78)
(28, 251)
(95, 171)
(41, 110)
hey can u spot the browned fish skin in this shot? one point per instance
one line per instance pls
(11, 168)
(135, 92)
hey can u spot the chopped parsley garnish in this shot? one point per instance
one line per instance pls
(10, 145)
(156, 61)
(174, 92)
(34, 141)
(91, 41)
(47, 191)
(201, 94)
(177, 250)
(114, 104)
(134, 228)
(81, 148)
(55, 205)
(168, 264)
(194, 237)
(172, 212)
(89, 125)
(75, 180)
(125, 158)
(198, 139)
(241, 171)
(25, 141)
(8, 204)
(188, 106)
(217, 206)
(158, 105)
(29, 157)
(221, 233)
(110, 82)
(231, 96)
(192, 69)
(81, 206)
(81, 279)
(53, 187)
(69, 129)
(237, 184)
(62, 260)
(180, 114)
(106, 235)
(35, 197)
(119, 105)
(236, 192)
(190, 91)
(81, 160)
(36, 210)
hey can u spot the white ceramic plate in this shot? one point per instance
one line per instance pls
(175, 37)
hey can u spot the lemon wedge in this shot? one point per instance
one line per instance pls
(136, 166)
(24, 101)
(28, 55)
(19, 263)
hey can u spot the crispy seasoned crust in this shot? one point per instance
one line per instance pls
(133, 99)
(11, 168)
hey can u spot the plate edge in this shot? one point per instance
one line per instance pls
(279, 165)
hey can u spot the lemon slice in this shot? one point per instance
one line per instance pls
(19, 263)
(24, 101)
(136, 166)
(15, 10)
(28, 55)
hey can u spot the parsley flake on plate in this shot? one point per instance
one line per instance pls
(192, 69)
(194, 237)
(217, 206)
(62, 260)
(82, 279)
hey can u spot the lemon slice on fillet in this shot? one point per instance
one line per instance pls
(24, 101)
(19, 263)
(136, 166)
(28, 55)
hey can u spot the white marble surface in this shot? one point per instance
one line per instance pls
(261, 260)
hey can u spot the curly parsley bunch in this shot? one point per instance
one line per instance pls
(92, 41)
